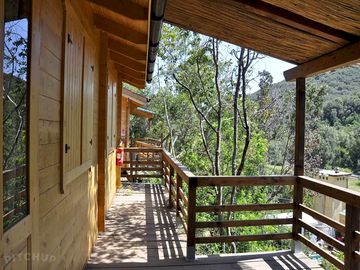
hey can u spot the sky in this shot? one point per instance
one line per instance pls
(274, 66)
(17, 28)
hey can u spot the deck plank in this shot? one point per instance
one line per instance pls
(142, 233)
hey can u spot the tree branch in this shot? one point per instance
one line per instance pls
(194, 103)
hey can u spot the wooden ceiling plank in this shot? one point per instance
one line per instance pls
(344, 56)
(226, 20)
(142, 78)
(140, 86)
(135, 65)
(342, 15)
(121, 31)
(132, 73)
(124, 7)
(137, 83)
(297, 21)
(126, 77)
(126, 49)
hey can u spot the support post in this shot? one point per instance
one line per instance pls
(191, 221)
(352, 224)
(299, 159)
(118, 124)
(299, 127)
(102, 127)
(178, 197)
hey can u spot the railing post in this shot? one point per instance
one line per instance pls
(171, 178)
(352, 224)
(298, 199)
(178, 198)
(190, 251)
(163, 165)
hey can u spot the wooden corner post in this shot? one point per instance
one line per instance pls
(102, 127)
(352, 224)
(299, 127)
(119, 108)
(191, 221)
(299, 159)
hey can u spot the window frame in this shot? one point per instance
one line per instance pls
(27, 117)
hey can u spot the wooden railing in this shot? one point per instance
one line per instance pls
(145, 142)
(237, 181)
(182, 186)
(176, 176)
(350, 230)
(143, 162)
(17, 201)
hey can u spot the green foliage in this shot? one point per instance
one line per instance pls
(336, 123)
(332, 128)
(14, 123)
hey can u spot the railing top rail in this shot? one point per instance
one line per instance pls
(182, 170)
(204, 181)
(147, 144)
(142, 149)
(15, 172)
(342, 194)
(145, 139)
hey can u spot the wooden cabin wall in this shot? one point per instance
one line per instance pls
(68, 222)
(64, 221)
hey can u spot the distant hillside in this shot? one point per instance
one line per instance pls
(342, 81)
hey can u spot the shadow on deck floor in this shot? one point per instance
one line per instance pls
(142, 233)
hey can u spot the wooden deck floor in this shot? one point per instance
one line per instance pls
(142, 233)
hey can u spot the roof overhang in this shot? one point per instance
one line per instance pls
(127, 25)
(141, 112)
(316, 35)
(135, 98)
(136, 101)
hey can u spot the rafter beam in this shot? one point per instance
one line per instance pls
(297, 21)
(124, 7)
(128, 71)
(127, 48)
(134, 84)
(121, 31)
(139, 66)
(136, 81)
(344, 56)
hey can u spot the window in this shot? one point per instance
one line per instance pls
(77, 98)
(15, 112)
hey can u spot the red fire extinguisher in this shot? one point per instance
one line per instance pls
(119, 156)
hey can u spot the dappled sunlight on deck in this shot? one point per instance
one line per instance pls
(139, 228)
(142, 232)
